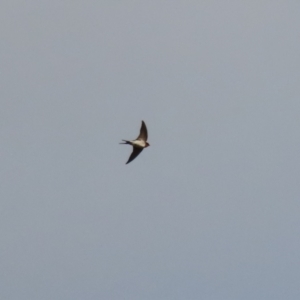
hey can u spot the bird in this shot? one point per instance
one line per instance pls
(138, 144)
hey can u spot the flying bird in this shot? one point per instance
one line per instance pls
(139, 143)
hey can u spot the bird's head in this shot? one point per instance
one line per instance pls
(147, 144)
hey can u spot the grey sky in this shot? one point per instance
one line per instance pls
(210, 210)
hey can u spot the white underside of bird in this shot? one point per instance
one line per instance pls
(138, 143)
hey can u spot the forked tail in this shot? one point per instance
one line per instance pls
(126, 142)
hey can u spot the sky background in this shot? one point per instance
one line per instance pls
(210, 211)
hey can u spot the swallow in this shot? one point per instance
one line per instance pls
(139, 143)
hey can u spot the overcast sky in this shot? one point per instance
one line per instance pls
(211, 210)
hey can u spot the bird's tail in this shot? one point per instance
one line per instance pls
(126, 142)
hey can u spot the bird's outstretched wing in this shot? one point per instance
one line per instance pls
(135, 152)
(143, 132)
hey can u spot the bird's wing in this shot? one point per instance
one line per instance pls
(143, 132)
(135, 152)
